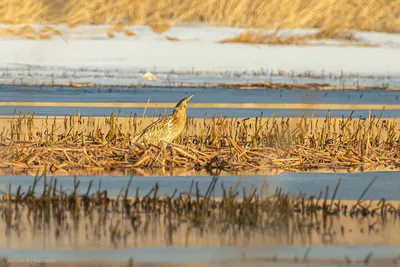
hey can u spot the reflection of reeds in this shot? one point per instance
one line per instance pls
(218, 143)
(129, 215)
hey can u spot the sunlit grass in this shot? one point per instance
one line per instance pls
(217, 143)
(368, 15)
(274, 38)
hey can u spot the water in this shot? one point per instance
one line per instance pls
(203, 254)
(221, 95)
(330, 98)
(387, 184)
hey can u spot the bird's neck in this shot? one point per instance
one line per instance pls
(180, 116)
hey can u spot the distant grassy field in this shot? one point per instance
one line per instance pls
(367, 15)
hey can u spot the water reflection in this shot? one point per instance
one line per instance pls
(312, 183)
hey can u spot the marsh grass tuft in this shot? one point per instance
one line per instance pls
(274, 38)
(110, 34)
(172, 39)
(129, 33)
(160, 27)
(28, 32)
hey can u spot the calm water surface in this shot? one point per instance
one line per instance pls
(204, 254)
(173, 95)
(387, 184)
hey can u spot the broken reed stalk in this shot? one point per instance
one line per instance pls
(365, 190)
(335, 192)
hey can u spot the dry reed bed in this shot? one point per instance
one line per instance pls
(369, 15)
(261, 37)
(43, 32)
(345, 37)
(220, 143)
(312, 86)
(119, 221)
(28, 32)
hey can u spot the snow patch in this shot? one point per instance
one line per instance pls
(86, 54)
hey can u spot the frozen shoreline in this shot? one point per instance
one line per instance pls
(86, 54)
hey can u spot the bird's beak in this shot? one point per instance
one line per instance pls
(189, 97)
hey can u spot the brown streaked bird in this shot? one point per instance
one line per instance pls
(168, 128)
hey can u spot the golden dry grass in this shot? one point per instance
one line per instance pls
(172, 39)
(262, 37)
(129, 33)
(216, 144)
(45, 37)
(110, 34)
(28, 32)
(47, 30)
(336, 35)
(160, 27)
(369, 15)
(119, 29)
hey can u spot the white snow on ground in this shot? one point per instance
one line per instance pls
(86, 54)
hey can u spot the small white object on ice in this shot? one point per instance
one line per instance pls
(120, 61)
(149, 76)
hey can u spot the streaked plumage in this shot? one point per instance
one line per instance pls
(167, 128)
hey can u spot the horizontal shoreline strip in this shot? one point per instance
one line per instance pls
(203, 84)
(196, 112)
(205, 105)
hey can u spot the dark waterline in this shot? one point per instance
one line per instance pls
(172, 95)
(194, 112)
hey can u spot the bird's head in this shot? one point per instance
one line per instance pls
(182, 105)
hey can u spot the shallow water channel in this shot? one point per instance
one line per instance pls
(159, 244)
(65, 101)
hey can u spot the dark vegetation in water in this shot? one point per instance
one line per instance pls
(123, 218)
(254, 209)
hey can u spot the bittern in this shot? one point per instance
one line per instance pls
(168, 128)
